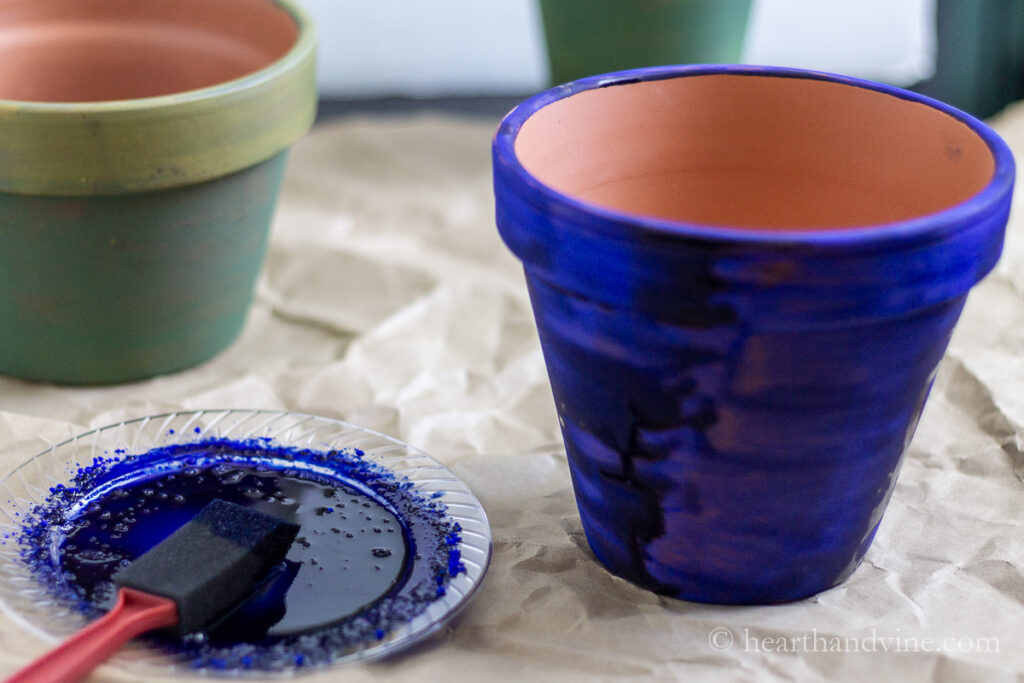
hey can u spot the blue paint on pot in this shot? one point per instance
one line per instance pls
(355, 572)
(735, 403)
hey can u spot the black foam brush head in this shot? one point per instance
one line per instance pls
(212, 562)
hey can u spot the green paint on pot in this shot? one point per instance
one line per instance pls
(132, 231)
(589, 37)
(143, 284)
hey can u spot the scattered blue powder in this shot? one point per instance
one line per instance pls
(80, 535)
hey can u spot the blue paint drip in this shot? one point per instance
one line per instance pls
(429, 567)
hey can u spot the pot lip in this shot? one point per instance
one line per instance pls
(305, 44)
(624, 224)
(115, 147)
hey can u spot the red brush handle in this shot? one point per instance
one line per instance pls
(135, 612)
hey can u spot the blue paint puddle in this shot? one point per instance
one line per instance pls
(372, 552)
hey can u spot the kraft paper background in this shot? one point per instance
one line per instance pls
(388, 300)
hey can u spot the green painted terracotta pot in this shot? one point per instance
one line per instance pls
(142, 146)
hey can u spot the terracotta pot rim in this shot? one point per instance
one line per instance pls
(163, 141)
(625, 225)
(304, 44)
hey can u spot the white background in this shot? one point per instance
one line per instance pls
(491, 47)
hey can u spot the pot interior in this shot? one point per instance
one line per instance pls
(751, 151)
(96, 50)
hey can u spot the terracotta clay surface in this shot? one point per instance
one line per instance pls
(96, 50)
(755, 152)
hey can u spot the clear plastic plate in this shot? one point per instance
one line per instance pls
(33, 606)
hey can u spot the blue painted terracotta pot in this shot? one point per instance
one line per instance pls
(743, 281)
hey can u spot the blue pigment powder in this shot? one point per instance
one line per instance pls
(372, 553)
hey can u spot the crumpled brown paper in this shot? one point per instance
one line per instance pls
(388, 300)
